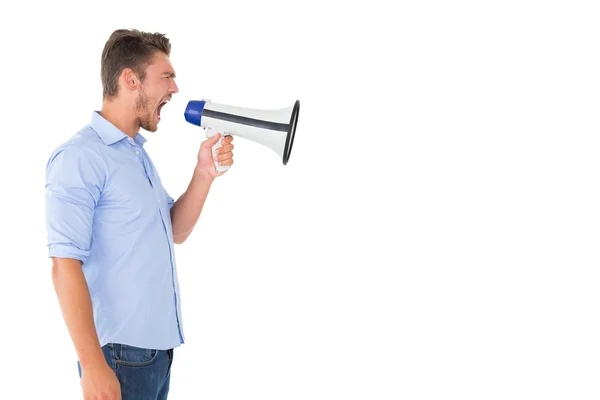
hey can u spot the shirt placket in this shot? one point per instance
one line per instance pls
(142, 158)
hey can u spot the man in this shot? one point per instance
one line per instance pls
(112, 227)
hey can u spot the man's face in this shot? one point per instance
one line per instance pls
(156, 90)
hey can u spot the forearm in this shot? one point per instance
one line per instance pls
(186, 210)
(76, 306)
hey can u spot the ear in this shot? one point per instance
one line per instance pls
(129, 79)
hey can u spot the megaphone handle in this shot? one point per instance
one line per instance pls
(219, 168)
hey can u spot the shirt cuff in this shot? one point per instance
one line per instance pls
(68, 251)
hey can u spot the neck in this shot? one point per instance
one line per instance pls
(121, 116)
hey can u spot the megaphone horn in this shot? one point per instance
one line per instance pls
(272, 128)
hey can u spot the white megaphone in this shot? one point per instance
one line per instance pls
(273, 128)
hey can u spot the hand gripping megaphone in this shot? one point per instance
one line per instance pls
(272, 128)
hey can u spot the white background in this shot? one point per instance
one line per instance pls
(434, 235)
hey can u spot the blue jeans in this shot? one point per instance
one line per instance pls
(144, 374)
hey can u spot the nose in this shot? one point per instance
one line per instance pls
(174, 87)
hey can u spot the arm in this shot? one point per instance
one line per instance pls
(76, 306)
(186, 210)
(74, 182)
(98, 379)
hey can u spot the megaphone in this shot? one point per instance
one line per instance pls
(272, 128)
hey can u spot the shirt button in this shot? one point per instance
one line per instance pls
(137, 152)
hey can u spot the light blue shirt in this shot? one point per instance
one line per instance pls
(106, 206)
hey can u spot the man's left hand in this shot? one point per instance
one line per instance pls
(223, 156)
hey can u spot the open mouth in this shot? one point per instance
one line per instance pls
(160, 106)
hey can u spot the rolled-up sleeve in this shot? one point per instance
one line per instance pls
(74, 184)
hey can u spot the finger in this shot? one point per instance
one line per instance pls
(224, 149)
(227, 139)
(227, 162)
(224, 156)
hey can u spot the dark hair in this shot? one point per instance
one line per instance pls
(129, 48)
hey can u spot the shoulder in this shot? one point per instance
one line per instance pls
(84, 144)
(82, 153)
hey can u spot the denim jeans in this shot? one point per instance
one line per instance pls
(144, 374)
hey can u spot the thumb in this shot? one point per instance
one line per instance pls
(211, 140)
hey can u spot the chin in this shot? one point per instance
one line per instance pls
(149, 126)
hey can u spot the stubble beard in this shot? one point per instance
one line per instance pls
(146, 118)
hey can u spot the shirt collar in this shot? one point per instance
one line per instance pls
(109, 133)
